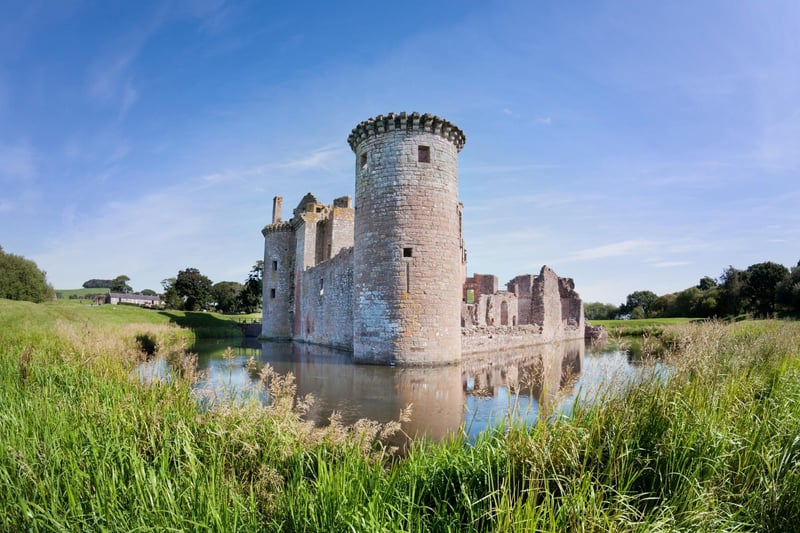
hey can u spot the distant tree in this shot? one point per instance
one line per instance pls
(251, 295)
(787, 293)
(120, 284)
(664, 306)
(194, 288)
(170, 297)
(643, 299)
(21, 279)
(149, 292)
(732, 300)
(762, 282)
(707, 283)
(600, 311)
(98, 284)
(227, 295)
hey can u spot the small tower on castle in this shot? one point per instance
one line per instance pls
(407, 271)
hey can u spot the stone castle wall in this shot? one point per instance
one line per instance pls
(326, 302)
(408, 258)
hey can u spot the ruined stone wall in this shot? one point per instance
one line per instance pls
(522, 287)
(490, 339)
(408, 261)
(571, 304)
(480, 284)
(546, 303)
(326, 306)
(277, 287)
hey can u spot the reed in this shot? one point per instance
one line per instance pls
(85, 446)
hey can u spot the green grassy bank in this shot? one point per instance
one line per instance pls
(21, 315)
(639, 327)
(85, 447)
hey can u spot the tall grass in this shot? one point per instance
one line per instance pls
(84, 446)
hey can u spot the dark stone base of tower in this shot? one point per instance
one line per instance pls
(385, 278)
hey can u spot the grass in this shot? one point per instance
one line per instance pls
(65, 294)
(85, 447)
(201, 324)
(639, 327)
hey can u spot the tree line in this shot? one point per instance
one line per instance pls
(21, 279)
(761, 290)
(192, 291)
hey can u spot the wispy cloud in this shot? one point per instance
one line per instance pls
(671, 264)
(544, 121)
(616, 249)
(318, 159)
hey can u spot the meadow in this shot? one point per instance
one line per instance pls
(84, 446)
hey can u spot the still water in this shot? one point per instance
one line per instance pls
(464, 398)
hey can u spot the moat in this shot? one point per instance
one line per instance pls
(474, 394)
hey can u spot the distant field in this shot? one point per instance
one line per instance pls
(26, 315)
(65, 294)
(639, 327)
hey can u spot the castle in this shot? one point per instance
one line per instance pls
(385, 276)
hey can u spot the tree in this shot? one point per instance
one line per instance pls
(98, 284)
(120, 284)
(787, 293)
(194, 288)
(707, 283)
(21, 279)
(227, 295)
(600, 311)
(149, 292)
(643, 299)
(170, 297)
(762, 281)
(251, 295)
(732, 300)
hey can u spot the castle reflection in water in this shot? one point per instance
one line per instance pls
(445, 399)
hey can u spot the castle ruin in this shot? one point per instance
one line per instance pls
(385, 276)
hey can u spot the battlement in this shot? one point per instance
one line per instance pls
(406, 122)
(278, 226)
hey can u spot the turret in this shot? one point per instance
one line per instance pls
(408, 255)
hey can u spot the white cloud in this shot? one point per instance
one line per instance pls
(545, 121)
(617, 249)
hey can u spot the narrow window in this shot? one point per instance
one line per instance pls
(321, 286)
(272, 293)
(407, 252)
(408, 277)
(274, 266)
(424, 154)
(363, 160)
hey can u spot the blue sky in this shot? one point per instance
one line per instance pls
(631, 145)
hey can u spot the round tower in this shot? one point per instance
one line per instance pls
(277, 296)
(407, 270)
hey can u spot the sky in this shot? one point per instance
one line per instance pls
(629, 145)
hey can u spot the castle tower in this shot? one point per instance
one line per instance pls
(407, 271)
(279, 247)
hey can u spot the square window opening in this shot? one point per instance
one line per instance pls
(408, 252)
(424, 154)
(272, 293)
